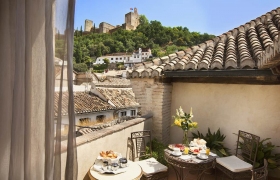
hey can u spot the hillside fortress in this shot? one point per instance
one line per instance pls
(131, 23)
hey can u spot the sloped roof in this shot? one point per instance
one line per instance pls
(113, 82)
(83, 103)
(254, 45)
(120, 97)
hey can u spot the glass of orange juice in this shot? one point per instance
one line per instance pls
(186, 150)
(207, 151)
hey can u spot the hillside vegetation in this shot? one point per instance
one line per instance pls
(162, 40)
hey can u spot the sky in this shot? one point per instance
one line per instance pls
(205, 16)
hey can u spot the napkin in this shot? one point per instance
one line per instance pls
(213, 154)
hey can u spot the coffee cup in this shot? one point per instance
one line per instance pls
(176, 150)
(202, 153)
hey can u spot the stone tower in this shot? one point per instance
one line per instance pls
(132, 20)
(88, 25)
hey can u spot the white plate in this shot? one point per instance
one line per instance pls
(176, 154)
(202, 157)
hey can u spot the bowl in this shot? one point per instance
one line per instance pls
(114, 166)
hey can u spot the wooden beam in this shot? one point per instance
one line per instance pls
(219, 73)
(261, 80)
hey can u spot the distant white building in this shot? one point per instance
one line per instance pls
(128, 59)
(113, 58)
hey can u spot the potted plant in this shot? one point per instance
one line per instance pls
(265, 151)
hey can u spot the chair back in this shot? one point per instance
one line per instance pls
(247, 146)
(139, 141)
(260, 173)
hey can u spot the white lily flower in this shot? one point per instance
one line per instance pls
(191, 114)
(181, 112)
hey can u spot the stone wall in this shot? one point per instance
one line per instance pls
(105, 27)
(155, 98)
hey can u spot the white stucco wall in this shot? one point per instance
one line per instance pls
(230, 107)
(128, 111)
(92, 116)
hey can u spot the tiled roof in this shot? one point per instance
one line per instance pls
(83, 103)
(113, 82)
(120, 97)
(254, 45)
(119, 54)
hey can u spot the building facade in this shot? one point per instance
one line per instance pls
(113, 58)
(128, 59)
(138, 56)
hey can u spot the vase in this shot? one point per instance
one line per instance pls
(186, 139)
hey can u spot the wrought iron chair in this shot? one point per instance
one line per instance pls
(241, 165)
(260, 173)
(152, 169)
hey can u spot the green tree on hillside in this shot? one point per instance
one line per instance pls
(149, 34)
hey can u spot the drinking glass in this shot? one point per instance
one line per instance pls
(207, 151)
(186, 150)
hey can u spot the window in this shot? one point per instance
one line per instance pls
(117, 58)
(145, 53)
(100, 118)
(128, 58)
(112, 58)
(124, 58)
(123, 113)
(137, 56)
(120, 58)
(134, 56)
(133, 112)
(84, 121)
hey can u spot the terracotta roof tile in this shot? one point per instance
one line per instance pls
(83, 103)
(120, 97)
(113, 82)
(253, 45)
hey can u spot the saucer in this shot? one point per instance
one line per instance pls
(202, 156)
(176, 154)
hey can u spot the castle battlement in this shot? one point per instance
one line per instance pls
(131, 23)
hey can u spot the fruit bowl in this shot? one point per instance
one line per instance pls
(180, 146)
(109, 156)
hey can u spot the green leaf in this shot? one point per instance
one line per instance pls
(271, 161)
(260, 155)
(223, 152)
(257, 165)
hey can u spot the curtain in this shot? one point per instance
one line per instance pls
(30, 137)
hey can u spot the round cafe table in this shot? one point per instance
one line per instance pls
(134, 172)
(180, 165)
